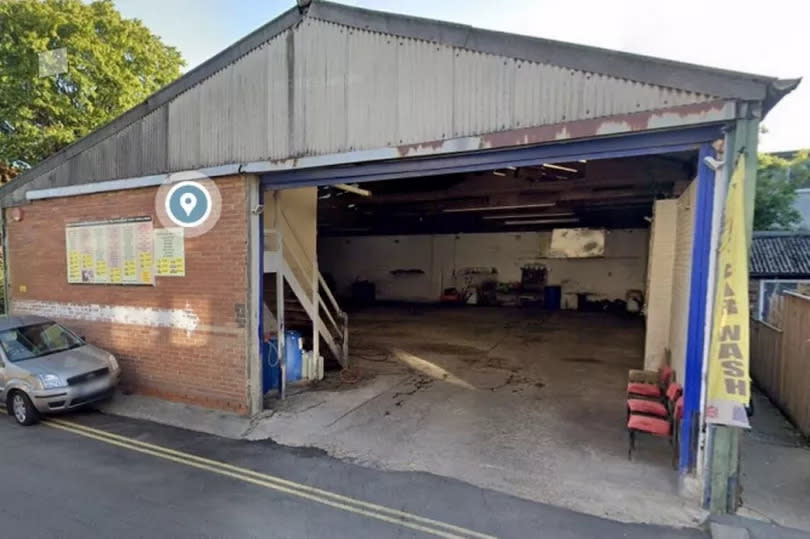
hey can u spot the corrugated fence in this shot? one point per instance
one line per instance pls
(780, 360)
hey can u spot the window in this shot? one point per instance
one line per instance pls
(36, 340)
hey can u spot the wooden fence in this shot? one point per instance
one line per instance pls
(780, 359)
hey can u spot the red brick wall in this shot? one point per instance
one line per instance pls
(205, 366)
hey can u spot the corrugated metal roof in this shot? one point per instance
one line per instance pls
(780, 254)
(336, 79)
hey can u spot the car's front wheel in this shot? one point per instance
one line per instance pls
(22, 409)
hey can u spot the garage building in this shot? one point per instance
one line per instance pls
(489, 158)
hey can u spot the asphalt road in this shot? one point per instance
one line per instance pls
(92, 475)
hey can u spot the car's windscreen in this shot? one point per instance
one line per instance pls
(36, 340)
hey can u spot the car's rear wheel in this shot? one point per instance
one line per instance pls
(22, 409)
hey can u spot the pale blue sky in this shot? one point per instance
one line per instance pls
(768, 38)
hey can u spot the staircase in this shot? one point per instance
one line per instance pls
(306, 303)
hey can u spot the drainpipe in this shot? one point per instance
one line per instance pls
(5, 260)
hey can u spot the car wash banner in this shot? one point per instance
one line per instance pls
(729, 383)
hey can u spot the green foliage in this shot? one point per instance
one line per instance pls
(777, 181)
(113, 64)
(799, 169)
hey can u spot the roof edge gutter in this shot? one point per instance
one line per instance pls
(776, 90)
(126, 183)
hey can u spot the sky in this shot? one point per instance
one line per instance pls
(755, 36)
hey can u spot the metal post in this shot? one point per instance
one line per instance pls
(312, 369)
(724, 442)
(280, 334)
(749, 147)
(345, 346)
(256, 359)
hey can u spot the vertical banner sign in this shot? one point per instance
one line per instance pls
(729, 382)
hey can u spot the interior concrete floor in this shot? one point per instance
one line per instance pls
(526, 402)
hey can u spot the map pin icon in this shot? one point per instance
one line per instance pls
(188, 201)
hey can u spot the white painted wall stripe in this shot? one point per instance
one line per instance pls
(184, 319)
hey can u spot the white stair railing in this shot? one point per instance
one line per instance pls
(285, 255)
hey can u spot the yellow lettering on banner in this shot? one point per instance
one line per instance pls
(728, 391)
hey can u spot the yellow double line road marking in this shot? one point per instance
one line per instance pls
(325, 497)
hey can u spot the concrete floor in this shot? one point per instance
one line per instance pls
(525, 402)
(775, 469)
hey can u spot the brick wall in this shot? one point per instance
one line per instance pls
(182, 339)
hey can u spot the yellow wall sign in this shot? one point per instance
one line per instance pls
(170, 256)
(729, 382)
(110, 252)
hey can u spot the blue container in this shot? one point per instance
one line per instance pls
(271, 366)
(552, 297)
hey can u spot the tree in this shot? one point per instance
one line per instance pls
(798, 169)
(777, 181)
(112, 65)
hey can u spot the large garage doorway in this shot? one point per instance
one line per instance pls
(494, 315)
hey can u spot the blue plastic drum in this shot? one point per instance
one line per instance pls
(271, 366)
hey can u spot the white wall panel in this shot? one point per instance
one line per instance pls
(442, 258)
(658, 303)
(681, 279)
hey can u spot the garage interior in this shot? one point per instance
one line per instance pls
(493, 317)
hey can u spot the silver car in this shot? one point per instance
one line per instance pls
(45, 368)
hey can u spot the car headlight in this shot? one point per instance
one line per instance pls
(51, 381)
(113, 362)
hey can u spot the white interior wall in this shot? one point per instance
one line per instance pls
(681, 279)
(658, 307)
(298, 226)
(441, 257)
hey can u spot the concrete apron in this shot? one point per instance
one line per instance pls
(532, 406)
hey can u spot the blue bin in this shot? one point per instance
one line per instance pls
(271, 366)
(552, 298)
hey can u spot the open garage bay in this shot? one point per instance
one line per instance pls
(525, 401)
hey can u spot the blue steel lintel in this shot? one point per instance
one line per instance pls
(655, 142)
